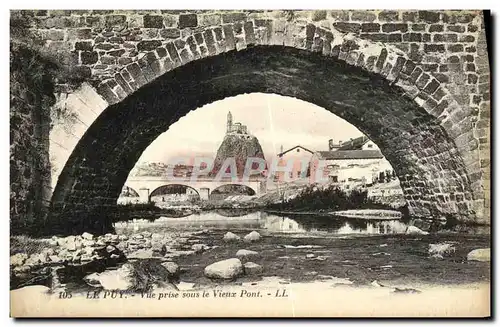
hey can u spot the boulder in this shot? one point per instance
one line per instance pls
(252, 237)
(310, 255)
(55, 258)
(252, 268)
(86, 243)
(87, 236)
(18, 259)
(53, 242)
(413, 230)
(225, 269)
(172, 268)
(69, 243)
(246, 253)
(441, 249)
(36, 259)
(141, 254)
(119, 279)
(229, 237)
(479, 255)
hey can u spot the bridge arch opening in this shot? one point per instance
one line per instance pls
(174, 193)
(224, 191)
(128, 196)
(424, 156)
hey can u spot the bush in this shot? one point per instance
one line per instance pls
(28, 245)
(329, 198)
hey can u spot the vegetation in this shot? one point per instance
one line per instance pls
(332, 198)
(28, 245)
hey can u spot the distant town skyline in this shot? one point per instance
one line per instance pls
(276, 121)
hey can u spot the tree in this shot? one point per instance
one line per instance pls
(381, 177)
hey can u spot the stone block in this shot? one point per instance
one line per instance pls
(170, 33)
(84, 46)
(249, 33)
(394, 27)
(233, 17)
(318, 15)
(388, 16)
(429, 16)
(148, 45)
(115, 21)
(88, 57)
(210, 42)
(436, 28)
(370, 27)
(347, 27)
(188, 20)
(172, 52)
(153, 21)
(363, 16)
(434, 48)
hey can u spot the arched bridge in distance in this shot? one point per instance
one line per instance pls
(145, 185)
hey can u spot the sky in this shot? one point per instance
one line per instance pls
(275, 120)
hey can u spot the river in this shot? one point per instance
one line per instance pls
(361, 261)
(305, 248)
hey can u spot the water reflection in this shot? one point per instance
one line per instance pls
(272, 223)
(335, 225)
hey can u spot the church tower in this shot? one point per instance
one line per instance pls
(229, 122)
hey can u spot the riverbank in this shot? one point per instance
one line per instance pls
(370, 214)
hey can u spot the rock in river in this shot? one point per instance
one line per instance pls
(226, 269)
(415, 230)
(252, 268)
(87, 236)
(479, 255)
(172, 268)
(252, 237)
(228, 237)
(119, 279)
(246, 253)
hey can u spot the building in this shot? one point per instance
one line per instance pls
(298, 159)
(359, 143)
(235, 128)
(356, 162)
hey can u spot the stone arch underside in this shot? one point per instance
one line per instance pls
(247, 188)
(156, 190)
(415, 140)
(132, 191)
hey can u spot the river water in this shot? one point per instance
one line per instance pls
(302, 225)
(308, 247)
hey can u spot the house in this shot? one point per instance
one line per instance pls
(297, 159)
(359, 143)
(358, 161)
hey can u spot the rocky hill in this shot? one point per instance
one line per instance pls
(239, 147)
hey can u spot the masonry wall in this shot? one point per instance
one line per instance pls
(30, 100)
(118, 51)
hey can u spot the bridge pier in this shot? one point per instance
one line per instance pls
(204, 193)
(144, 195)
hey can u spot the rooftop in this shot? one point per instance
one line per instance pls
(350, 154)
(291, 149)
(354, 144)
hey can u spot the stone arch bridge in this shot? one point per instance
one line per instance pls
(415, 82)
(145, 186)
